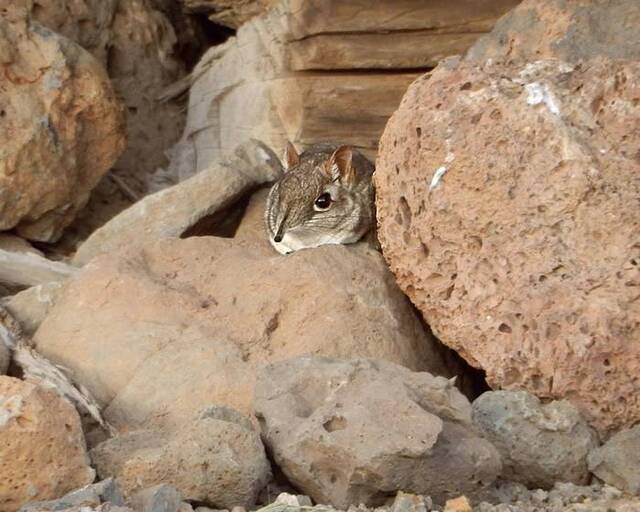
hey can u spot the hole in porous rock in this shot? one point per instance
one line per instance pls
(465, 86)
(504, 328)
(223, 223)
(418, 131)
(335, 423)
(405, 211)
(606, 362)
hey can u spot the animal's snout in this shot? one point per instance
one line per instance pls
(278, 238)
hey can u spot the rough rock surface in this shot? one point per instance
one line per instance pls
(221, 308)
(503, 198)
(570, 30)
(171, 212)
(355, 431)
(42, 450)
(617, 462)
(30, 307)
(317, 70)
(215, 460)
(62, 128)
(539, 444)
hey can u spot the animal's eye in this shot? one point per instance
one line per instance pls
(322, 202)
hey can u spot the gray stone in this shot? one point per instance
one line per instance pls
(411, 503)
(540, 444)
(93, 495)
(617, 462)
(355, 431)
(159, 498)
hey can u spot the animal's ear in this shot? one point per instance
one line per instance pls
(290, 158)
(340, 165)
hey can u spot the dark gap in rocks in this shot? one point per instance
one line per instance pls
(365, 71)
(471, 381)
(195, 33)
(279, 482)
(215, 33)
(223, 223)
(382, 499)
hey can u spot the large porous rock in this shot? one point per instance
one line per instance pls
(159, 331)
(539, 444)
(61, 128)
(503, 198)
(286, 74)
(570, 30)
(42, 449)
(357, 431)
(217, 459)
(617, 462)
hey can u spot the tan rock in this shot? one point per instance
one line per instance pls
(503, 198)
(318, 70)
(29, 307)
(221, 308)
(170, 213)
(459, 504)
(211, 460)
(12, 243)
(42, 450)
(136, 43)
(62, 129)
(570, 31)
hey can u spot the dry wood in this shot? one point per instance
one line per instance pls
(30, 269)
(37, 368)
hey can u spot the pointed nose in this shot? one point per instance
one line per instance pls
(277, 238)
